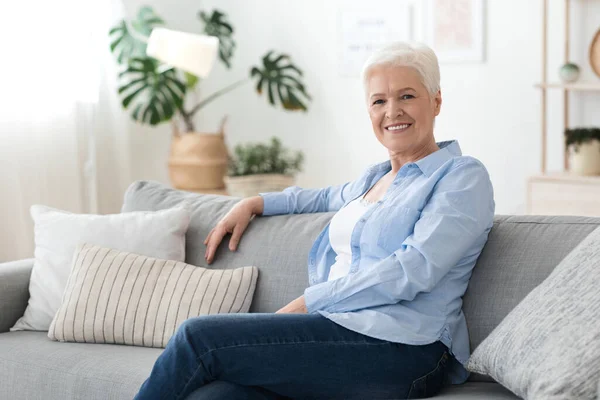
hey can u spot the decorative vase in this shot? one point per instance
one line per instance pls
(595, 53)
(198, 161)
(586, 159)
(569, 72)
(252, 185)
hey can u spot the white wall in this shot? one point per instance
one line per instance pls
(492, 108)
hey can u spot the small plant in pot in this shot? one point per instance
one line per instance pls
(256, 168)
(584, 146)
(156, 93)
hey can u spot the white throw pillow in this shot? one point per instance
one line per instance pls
(119, 297)
(57, 234)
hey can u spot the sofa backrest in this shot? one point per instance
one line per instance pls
(520, 253)
(277, 245)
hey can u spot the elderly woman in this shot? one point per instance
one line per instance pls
(382, 317)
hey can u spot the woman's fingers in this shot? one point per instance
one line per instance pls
(208, 237)
(238, 230)
(215, 241)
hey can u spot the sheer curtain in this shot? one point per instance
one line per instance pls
(63, 136)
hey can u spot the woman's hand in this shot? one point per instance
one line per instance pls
(235, 222)
(297, 306)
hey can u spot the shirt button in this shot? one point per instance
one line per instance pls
(362, 220)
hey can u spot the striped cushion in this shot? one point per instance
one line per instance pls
(124, 298)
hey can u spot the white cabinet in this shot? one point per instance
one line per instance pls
(563, 194)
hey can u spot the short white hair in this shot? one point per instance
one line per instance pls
(407, 54)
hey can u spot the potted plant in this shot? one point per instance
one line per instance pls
(255, 168)
(584, 146)
(157, 93)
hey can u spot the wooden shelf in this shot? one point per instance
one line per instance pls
(565, 177)
(563, 194)
(577, 86)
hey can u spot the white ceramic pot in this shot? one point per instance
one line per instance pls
(252, 185)
(586, 160)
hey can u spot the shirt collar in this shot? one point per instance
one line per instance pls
(428, 165)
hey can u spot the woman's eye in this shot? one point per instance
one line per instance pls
(407, 97)
(378, 102)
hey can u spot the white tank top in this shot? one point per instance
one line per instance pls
(340, 232)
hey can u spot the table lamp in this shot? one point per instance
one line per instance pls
(189, 52)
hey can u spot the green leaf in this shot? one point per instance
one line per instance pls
(132, 96)
(146, 20)
(130, 84)
(577, 136)
(215, 24)
(191, 80)
(136, 111)
(156, 93)
(278, 73)
(125, 43)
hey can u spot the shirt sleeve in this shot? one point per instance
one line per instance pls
(296, 200)
(459, 212)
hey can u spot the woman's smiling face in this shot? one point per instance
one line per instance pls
(401, 109)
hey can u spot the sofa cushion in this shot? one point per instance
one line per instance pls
(34, 367)
(278, 245)
(476, 391)
(119, 297)
(547, 347)
(57, 233)
(520, 253)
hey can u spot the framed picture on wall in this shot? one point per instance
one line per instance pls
(455, 29)
(363, 28)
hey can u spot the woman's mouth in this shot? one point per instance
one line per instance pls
(397, 128)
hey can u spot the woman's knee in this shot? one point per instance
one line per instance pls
(203, 331)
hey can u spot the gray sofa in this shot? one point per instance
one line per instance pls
(520, 253)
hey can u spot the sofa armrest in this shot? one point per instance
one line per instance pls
(14, 291)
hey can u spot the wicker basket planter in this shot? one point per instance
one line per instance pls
(198, 161)
(252, 185)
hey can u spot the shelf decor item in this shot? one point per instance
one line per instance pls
(584, 147)
(569, 72)
(160, 68)
(595, 53)
(257, 168)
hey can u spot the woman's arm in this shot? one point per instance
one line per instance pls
(295, 200)
(460, 211)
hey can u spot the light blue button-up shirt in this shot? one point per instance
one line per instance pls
(412, 252)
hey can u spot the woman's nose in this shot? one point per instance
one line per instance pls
(393, 110)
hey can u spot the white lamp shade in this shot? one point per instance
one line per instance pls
(188, 51)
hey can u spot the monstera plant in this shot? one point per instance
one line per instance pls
(154, 93)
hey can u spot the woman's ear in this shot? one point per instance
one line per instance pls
(437, 103)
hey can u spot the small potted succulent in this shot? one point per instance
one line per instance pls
(584, 147)
(256, 167)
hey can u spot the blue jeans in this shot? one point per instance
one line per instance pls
(280, 356)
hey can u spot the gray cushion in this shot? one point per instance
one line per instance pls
(278, 245)
(520, 253)
(476, 391)
(34, 367)
(547, 347)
